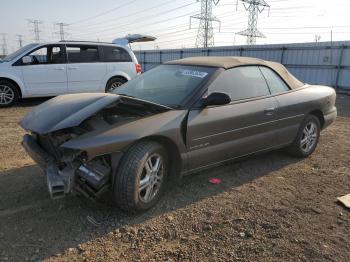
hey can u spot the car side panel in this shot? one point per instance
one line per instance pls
(295, 105)
(45, 79)
(220, 133)
(14, 74)
(126, 70)
(85, 77)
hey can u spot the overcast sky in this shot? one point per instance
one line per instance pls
(287, 21)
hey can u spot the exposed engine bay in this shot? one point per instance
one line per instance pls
(70, 170)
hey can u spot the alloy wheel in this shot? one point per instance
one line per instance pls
(151, 178)
(114, 86)
(7, 95)
(309, 137)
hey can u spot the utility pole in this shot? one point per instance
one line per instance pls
(254, 7)
(61, 31)
(205, 35)
(317, 38)
(36, 30)
(4, 44)
(20, 40)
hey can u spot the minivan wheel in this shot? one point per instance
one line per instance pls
(140, 178)
(114, 83)
(307, 139)
(8, 94)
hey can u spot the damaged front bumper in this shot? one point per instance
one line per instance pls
(59, 182)
(87, 177)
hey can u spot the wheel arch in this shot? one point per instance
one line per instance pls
(14, 83)
(116, 76)
(172, 150)
(318, 113)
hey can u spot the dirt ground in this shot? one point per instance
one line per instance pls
(271, 207)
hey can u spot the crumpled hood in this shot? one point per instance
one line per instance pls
(65, 111)
(118, 137)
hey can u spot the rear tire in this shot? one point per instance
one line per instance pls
(8, 94)
(141, 176)
(307, 138)
(114, 83)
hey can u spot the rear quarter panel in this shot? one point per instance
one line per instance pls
(123, 69)
(295, 105)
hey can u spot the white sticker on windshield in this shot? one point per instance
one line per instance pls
(194, 73)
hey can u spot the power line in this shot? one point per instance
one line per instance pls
(162, 29)
(114, 19)
(36, 30)
(205, 35)
(254, 7)
(129, 24)
(105, 12)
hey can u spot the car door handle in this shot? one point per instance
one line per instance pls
(73, 67)
(59, 68)
(269, 111)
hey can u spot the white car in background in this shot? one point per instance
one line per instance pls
(50, 69)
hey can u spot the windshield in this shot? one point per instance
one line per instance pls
(167, 85)
(13, 55)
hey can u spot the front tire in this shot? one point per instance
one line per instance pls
(307, 139)
(114, 83)
(8, 93)
(140, 178)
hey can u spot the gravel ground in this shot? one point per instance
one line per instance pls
(270, 207)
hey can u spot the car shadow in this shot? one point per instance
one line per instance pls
(31, 224)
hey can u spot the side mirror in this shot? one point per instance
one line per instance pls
(27, 60)
(216, 99)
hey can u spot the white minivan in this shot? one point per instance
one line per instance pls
(50, 69)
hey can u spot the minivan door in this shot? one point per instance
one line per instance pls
(85, 71)
(46, 74)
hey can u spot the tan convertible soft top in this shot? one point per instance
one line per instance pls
(234, 61)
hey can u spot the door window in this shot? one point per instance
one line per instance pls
(276, 84)
(82, 54)
(115, 54)
(241, 83)
(47, 55)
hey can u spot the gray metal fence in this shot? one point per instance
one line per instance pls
(326, 63)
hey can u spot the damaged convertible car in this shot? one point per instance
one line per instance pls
(178, 118)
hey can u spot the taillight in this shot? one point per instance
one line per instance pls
(138, 69)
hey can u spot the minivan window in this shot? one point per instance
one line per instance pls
(115, 54)
(241, 83)
(276, 84)
(47, 55)
(82, 54)
(22, 50)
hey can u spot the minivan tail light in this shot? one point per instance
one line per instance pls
(138, 69)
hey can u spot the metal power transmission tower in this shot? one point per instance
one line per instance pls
(20, 40)
(36, 30)
(61, 31)
(205, 35)
(254, 7)
(4, 44)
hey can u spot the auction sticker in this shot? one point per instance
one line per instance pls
(193, 73)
